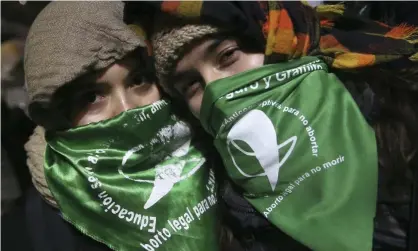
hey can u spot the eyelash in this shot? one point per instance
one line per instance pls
(229, 54)
(85, 103)
(188, 90)
(138, 78)
(224, 59)
(95, 95)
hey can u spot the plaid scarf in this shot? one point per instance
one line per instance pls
(294, 29)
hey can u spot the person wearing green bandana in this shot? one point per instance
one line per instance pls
(294, 101)
(118, 162)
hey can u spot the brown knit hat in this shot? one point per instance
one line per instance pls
(170, 39)
(35, 150)
(68, 39)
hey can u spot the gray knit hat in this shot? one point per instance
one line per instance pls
(68, 39)
(170, 39)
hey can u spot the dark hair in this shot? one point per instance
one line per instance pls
(394, 117)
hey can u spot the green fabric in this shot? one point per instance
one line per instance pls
(291, 136)
(135, 182)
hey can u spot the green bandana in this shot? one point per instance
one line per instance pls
(135, 182)
(293, 138)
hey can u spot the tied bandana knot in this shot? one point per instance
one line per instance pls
(135, 182)
(292, 137)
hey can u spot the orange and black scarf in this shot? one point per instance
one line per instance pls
(293, 29)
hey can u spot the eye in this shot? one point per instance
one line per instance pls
(92, 98)
(191, 89)
(141, 77)
(89, 102)
(188, 89)
(228, 56)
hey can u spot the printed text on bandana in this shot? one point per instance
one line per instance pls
(285, 135)
(277, 78)
(309, 130)
(183, 222)
(300, 180)
(109, 204)
(245, 123)
(166, 176)
(285, 109)
(145, 222)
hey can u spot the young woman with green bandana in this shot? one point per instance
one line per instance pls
(313, 112)
(118, 163)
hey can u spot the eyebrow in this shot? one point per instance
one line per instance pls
(132, 73)
(180, 76)
(84, 86)
(213, 45)
(73, 91)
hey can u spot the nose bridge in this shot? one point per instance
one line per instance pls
(122, 100)
(209, 74)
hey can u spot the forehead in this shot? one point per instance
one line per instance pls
(197, 52)
(132, 60)
(113, 72)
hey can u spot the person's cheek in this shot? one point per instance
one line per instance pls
(251, 61)
(152, 95)
(86, 118)
(146, 94)
(94, 113)
(195, 103)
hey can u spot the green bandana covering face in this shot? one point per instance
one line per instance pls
(135, 182)
(293, 138)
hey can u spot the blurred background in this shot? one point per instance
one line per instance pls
(16, 126)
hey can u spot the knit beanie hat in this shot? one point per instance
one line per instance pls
(69, 39)
(170, 39)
